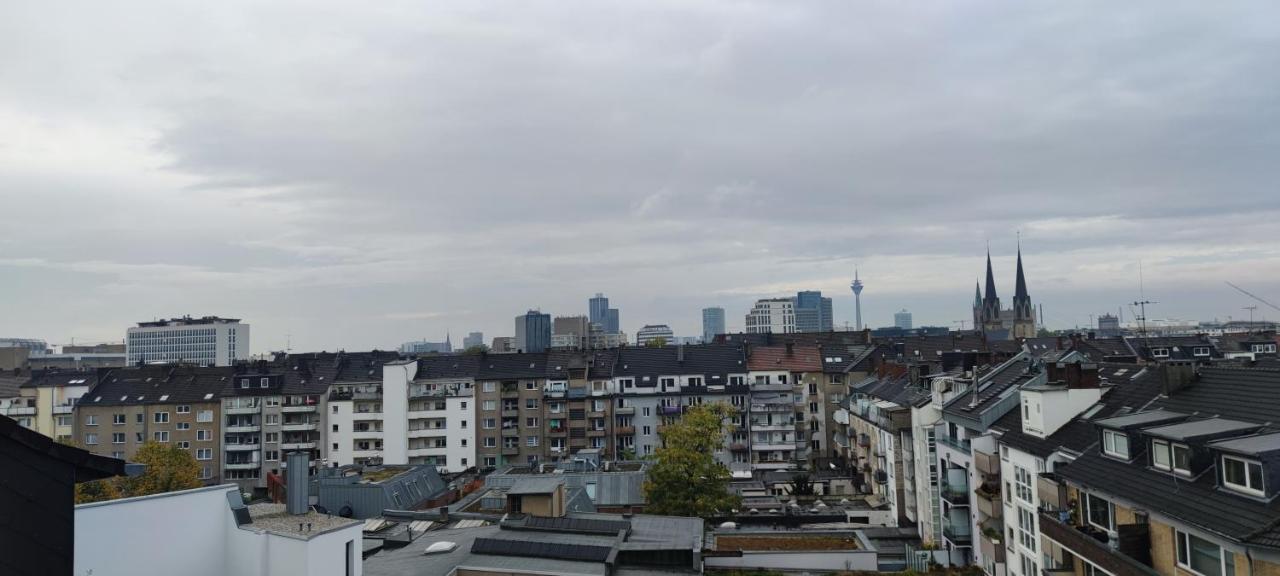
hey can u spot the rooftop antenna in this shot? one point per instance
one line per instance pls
(1250, 309)
(1142, 304)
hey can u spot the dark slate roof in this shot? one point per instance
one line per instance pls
(1099, 349)
(177, 384)
(896, 389)
(448, 366)
(1251, 445)
(709, 360)
(513, 366)
(1208, 427)
(55, 377)
(835, 339)
(993, 387)
(930, 348)
(1239, 393)
(1125, 395)
(851, 358)
(1198, 503)
(1180, 347)
(88, 466)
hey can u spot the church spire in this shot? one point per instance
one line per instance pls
(1020, 291)
(991, 280)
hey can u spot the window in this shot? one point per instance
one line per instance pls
(117, 419)
(645, 411)
(138, 418)
(64, 421)
(118, 455)
(161, 417)
(1022, 478)
(117, 437)
(91, 420)
(530, 422)
(161, 436)
(264, 382)
(204, 416)
(490, 442)
(335, 408)
(183, 409)
(1171, 457)
(91, 439)
(1203, 557)
(1101, 512)
(1242, 475)
(1115, 444)
(1200, 351)
(531, 441)
(335, 427)
(1159, 352)
(138, 437)
(531, 403)
(204, 454)
(490, 405)
(272, 455)
(1028, 565)
(203, 435)
(1027, 528)
(489, 423)
(272, 419)
(597, 405)
(645, 430)
(489, 386)
(184, 445)
(273, 437)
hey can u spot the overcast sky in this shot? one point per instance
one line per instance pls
(360, 174)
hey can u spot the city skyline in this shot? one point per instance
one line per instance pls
(707, 155)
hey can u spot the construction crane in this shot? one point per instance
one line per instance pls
(1254, 296)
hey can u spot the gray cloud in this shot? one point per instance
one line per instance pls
(355, 178)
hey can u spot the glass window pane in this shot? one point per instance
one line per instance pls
(1255, 476)
(1160, 453)
(1206, 557)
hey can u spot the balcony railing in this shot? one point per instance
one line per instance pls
(298, 408)
(241, 447)
(242, 465)
(298, 427)
(956, 444)
(958, 531)
(955, 493)
(243, 428)
(19, 411)
(987, 463)
(1094, 546)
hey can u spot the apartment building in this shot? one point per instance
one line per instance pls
(656, 385)
(350, 404)
(270, 410)
(422, 412)
(509, 396)
(772, 315)
(843, 366)
(1036, 443)
(171, 404)
(47, 401)
(1184, 484)
(787, 417)
(578, 403)
(881, 453)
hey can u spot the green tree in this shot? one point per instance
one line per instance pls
(685, 478)
(169, 469)
(476, 350)
(656, 342)
(98, 490)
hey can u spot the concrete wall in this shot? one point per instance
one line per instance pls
(179, 532)
(395, 411)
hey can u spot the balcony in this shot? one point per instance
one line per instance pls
(242, 465)
(988, 500)
(298, 409)
(992, 546)
(958, 530)
(864, 440)
(739, 447)
(596, 432)
(669, 410)
(369, 434)
(625, 430)
(241, 447)
(243, 428)
(626, 410)
(510, 450)
(955, 444)
(1094, 547)
(773, 446)
(426, 432)
(986, 463)
(19, 411)
(299, 427)
(773, 426)
(64, 409)
(242, 410)
(366, 415)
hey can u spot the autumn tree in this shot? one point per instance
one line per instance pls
(168, 469)
(98, 490)
(801, 485)
(685, 478)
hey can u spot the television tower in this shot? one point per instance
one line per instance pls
(856, 286)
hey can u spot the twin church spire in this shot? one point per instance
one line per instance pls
(999, 323)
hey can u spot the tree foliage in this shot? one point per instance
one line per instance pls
(476, 350)
(658, 342)
(801, 485)
(168, 469)
(685, 478)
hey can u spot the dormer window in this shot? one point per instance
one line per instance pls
(264, 382)
(1264, 348)
(1242, 475)
(1171, 457)
(1200, 351)
(1159, 352)
(1115, 444)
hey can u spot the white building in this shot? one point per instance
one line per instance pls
(206, 341)
(654, 332)
(772, 315)
(197, 533)
(422, 413)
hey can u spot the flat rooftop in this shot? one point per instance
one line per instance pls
(1199, 428)
(275, 519)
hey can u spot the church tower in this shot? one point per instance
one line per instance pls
(1024, 314)
(990, 315)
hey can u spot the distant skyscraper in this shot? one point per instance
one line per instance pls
(813, 312)
(597, 308)
(902, 319)
(472, 340)
(570, 332)
(712, 323)
(652, 332)
(533, 331)
(611, 324)
(1108, 326)
(856, 286)
(206, 341)
(772, 315)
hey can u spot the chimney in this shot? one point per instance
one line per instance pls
(444, 514)
(680, 353)
(791, 348)
(296, 478)
(1177, 375)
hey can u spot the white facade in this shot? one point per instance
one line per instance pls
(194, 532)
(652, 332)
(772, 315)
(405, 421)
(205, 341)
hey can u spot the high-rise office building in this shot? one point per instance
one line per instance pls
(652, 333)
(472, 340)
(813, 312)
(902, 319)
(570, 332)
(611, 323)
(712, 323)
(772, 315)
(597, 308)
(533, 331)
(208, 341)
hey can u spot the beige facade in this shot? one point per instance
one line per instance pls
(119, 430)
